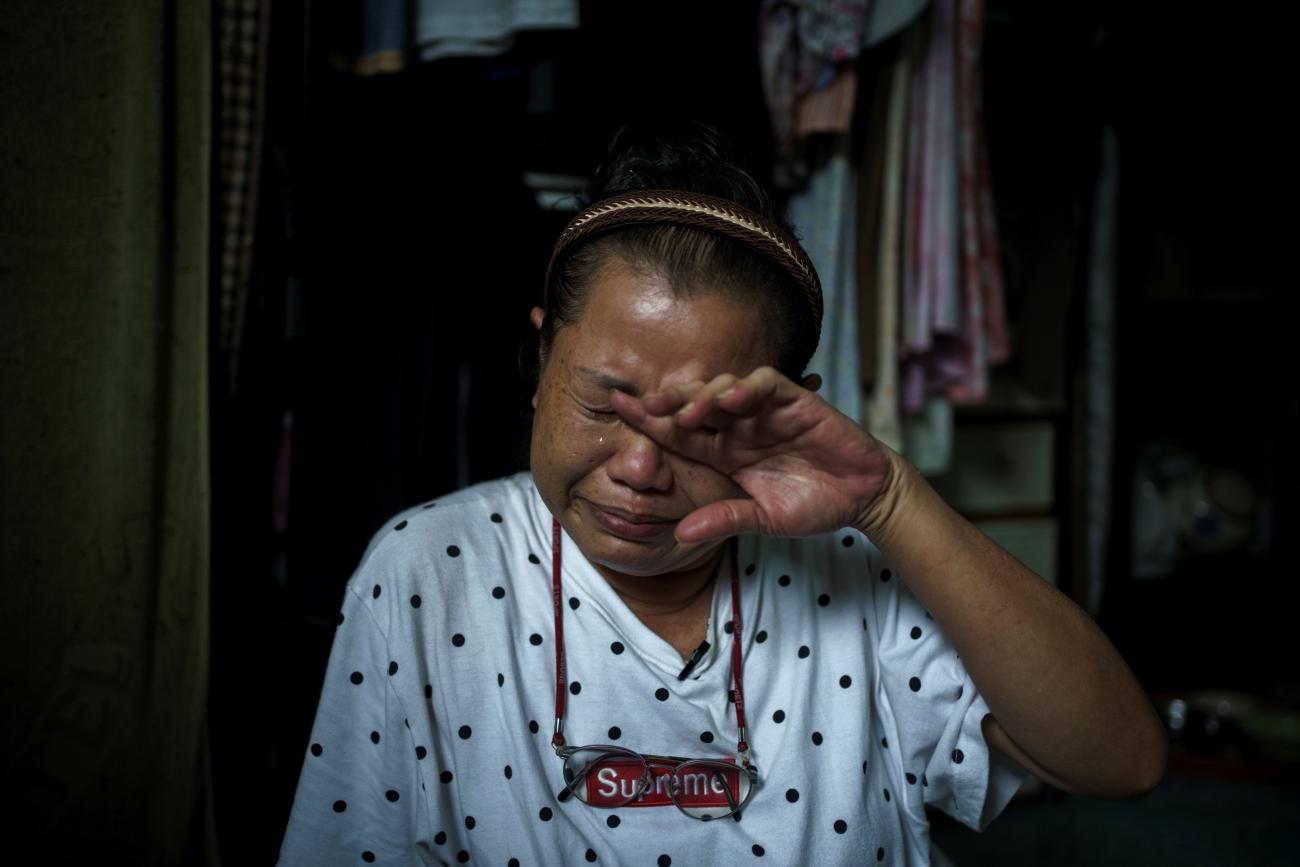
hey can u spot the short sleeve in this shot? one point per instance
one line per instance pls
(359, 796)
(932, 711)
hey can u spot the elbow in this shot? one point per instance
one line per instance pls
(1146, 765)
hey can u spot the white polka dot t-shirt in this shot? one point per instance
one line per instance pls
(432, 741)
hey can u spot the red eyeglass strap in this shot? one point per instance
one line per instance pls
(561, 674)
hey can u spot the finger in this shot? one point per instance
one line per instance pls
(720, 520)
(702, 409)
(752, 393)
(671, 398)
(662, 429)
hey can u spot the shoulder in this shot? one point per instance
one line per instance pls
(436, 547)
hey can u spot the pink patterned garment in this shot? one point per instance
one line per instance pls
(953, 323)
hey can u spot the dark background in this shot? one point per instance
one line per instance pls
(399, 253)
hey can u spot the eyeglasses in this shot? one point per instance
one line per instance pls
(611, 777)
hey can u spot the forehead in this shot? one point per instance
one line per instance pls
(636, 334)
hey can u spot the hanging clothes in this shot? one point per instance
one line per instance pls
(481, 28)
(825, 215)
(954, 317)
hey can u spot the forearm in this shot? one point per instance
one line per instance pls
(1050, 677)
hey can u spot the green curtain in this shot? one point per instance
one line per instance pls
(104, 178)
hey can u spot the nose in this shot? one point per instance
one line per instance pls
(639, 463)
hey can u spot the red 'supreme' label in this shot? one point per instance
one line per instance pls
(612, 782)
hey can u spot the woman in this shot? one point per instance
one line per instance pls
(706, 562)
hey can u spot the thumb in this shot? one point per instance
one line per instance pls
(719, 520)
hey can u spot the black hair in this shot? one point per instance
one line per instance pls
(692, 157)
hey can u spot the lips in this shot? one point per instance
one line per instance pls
(636, 526)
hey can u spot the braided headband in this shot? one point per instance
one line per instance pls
(698, 211)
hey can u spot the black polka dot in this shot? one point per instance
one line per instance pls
(924, 781)
(778, 717)
(534, 639)
(501, 679)
(357, 677)
(823, 600)
(440, 838)
(368, 856)
(613, 821)
(916, 632)
(761, 637)
(470, 823)
(545, 814)
(532, 726)
(465, 732)
(392, 667)
(420, 753)
(792, 795)
(340, 806)
(757, 850)
(498, 593)
(375, 593)
(591, 855)
(616, 648)
(661, 694)
(532, 558)
(749, 570)
(957, 756)
(847, 541)
(886, 795)
(574, 602)
(728, 627)
(804, 651)
(707, 737)
(885, 574)
(960, 690)
(428, 690)
(841, 826)
(453, 551)
(575, 688)
(880, 854)
(914, 684)
(615, 733)
(784, 581)
(444, 777)
(846, 682)
(415, 601)
(664, 861)
(509, 772)
(401, 525)
(462, 856)
(864, 767)
(340, 618)
(817, 738)
(884, 742)
(374, 737)
(392, 795)
(317, 749)
(911, 778)
(458, 640)
(513, 862)
(864, 624)
(496, 519)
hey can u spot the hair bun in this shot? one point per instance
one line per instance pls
(684, 155)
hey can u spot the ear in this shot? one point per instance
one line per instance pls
(537, 316)
(812, 382)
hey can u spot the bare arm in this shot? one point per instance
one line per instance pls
(1064, 705)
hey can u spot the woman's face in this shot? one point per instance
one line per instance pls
(616, 492)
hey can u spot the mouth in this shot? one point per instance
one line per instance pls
(634, 526)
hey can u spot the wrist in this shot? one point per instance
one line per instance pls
(887, 510)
